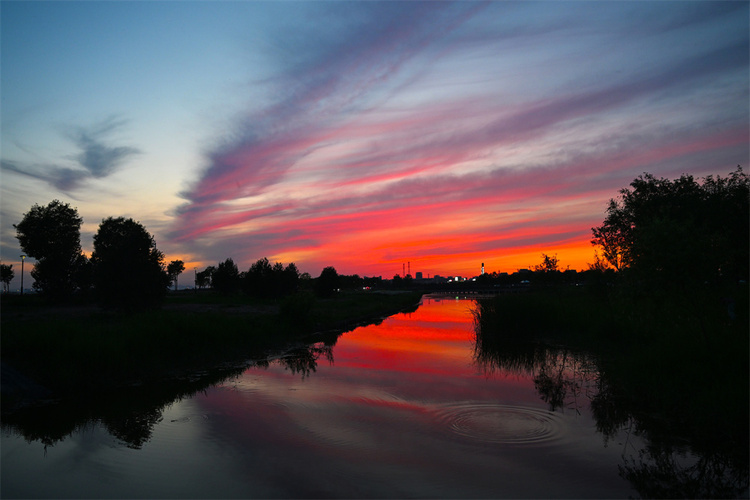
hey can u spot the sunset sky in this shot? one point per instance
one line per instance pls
(364, 135)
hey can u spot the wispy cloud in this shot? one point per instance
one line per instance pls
(62, 178)
(326, 85)
(96, 158)
(99, 158)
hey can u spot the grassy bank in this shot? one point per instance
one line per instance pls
(83, 349)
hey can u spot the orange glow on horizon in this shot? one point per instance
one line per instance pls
(575, 255)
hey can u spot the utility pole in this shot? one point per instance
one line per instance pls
(23, 258)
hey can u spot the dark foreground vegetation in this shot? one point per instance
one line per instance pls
(109, 321)
(82, 350)
(668, 327)
(672, 373)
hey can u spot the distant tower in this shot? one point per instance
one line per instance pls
(403, 269)
(408, 267)
(482, 267)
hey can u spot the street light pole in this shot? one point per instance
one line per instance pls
(23, 258)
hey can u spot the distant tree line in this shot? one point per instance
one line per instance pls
(264, 280)
(126, 269)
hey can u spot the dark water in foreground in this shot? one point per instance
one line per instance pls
(400, 409)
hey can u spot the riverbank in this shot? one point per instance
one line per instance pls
(56, 352)
(675, 366)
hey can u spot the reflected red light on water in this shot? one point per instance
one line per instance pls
(414, 359)
(429, 340)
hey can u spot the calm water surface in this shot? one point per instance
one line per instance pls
(399, 409)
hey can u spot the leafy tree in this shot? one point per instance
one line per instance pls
(548, 265)
(548, 272)
(599, 265)
(226, 278)
(83, 274)
(52, 235)
(203, 278)
(290, 279)
(257, 280)
(277, 280)
(353, 282)
(305, 282)
(679, 233)
(6, 276)
(265, 280)
(327, 283)
(372, 281)
(174, 269)
(128, 268)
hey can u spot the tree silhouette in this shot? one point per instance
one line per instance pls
(6, 276)
(83, 274)
(51, 235)
(265, 280)
(174, 269)
(290, 278)
(226, 278)
(548, 265)
(327, 283)
(679, 232)
(204, 278)
(257, 280)
(129, 269)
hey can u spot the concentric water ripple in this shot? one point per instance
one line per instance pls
(496, 423)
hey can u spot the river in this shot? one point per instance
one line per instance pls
(404, 408)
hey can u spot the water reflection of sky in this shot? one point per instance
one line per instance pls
(403, 411)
